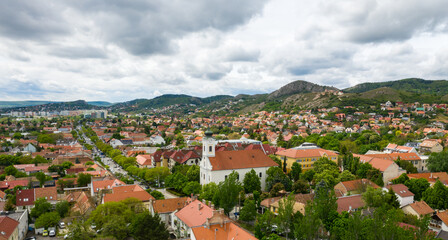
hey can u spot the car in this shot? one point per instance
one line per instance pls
(31, 238)
(62, 225)
(52, 233)
(45, 233)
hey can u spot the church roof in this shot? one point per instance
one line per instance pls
(229, 160)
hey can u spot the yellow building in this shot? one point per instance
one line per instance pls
(305, 157)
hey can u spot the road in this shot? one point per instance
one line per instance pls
(114, 168)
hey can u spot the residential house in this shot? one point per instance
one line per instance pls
(49, 193)
(22, 218)
(431, 145)
(391, 148)
(25, 199)
(432, 177)
(418, 209)
(144, 161)
(439, 221)
(404, 196)
(411, 157)
(388, 168)
(193, 215)
(107, 184)
(120, 193)
(297, 207)
(30, 148)
(185, 157)
(80, 202)
(167, 207)
(350, 203)
(305, 156)
(9, 228)
(353, 187)
(217, 166)
(220, 227)
(2, 196)
(115, 143)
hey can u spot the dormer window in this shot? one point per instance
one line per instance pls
(210, 148)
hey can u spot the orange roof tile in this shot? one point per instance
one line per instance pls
(228, 231)
(306, 153)
(116, 197)
(195, 214)
(421, 208)
(49, 193)
(7, 226)
(170, 205)
(227, 160)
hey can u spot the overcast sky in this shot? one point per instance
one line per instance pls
(121, 50)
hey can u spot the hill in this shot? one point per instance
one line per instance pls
(298, 87)
(413, 85)
(12, 104)
(55, 106)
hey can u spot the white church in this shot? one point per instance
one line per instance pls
(216, 166)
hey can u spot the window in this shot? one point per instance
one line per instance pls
(260, 174)
(225, 177)
(210, 148)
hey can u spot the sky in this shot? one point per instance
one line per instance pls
(116, 51)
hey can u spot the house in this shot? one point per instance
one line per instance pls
(439, 221)
(404, 196)
(107, 184)
(220, 227)
(22, 218)
(353, 187)
(418, 209)
(305, 156)
(350, 203)
(297, 207)
(2, 196)
(30, 148)
(157, 139)
(166, 208)
(411, 157)
(80, 202)
(391, 148)
(49, 193)
(25, 199)
(430, 145)
(216, 166)
(188, 157)
(115, 143)
(388, 168)
(144, 161)
(8, 228)
(432, 177)
(193, 215)
(120, 193)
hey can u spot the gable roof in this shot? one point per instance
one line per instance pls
(350, 203)
(227, 231)
(431, 177)
(7, 227)
(195, 214)
(49, 193)
(306, 153)
(229, 160)
(443, 216)
(354, 185)
(106, 184)
(422, 208)
(130, 191)
(25, 197)
(401, 190)
(170, 205)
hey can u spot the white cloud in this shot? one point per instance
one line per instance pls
(121, 50)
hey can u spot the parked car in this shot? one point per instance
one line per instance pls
(62, 225)
(45, 233)
(31, 238)
(52, 233)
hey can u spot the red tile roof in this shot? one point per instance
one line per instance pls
(422, 208)
(228, 160)
(350, 202)
(25, 197)
(7, 227)
(401, 190)
(116, 197)
(306, 153)
(195, 214)
(49, 193)
(170, 205)
(228, 231)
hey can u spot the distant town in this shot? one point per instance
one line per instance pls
(326, 173)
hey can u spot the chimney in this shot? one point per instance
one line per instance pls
(199, 206)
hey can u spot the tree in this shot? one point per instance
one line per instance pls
(176, 181)
(140, 231)
(326, 205)
(192, 188)
(116, 226)
(156, 194)
(296, 170)
(11, 170)
(157, 174)
(263, 224)
(276, 189)
(249, 211)
(401, 179)
(41, 206)
(438, 162)
(276, 175)
(84, 179)
(301, 186)
(307, 227)
(329, 176)
(346, 176)
(79, 230)
(126, 209)
(406, 165)
(285, 214)
(62, 208)
(228, 191)
(309, 175)
(46, 220)
(436, 196)
(251, 182)
(391, 199)
(208, 191)
(417, 187)
(193, 173)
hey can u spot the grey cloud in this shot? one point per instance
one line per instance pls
(147, 27)
(397, 20)
(78, 52)
(242, 55)
(31, 20)
(215, 75)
